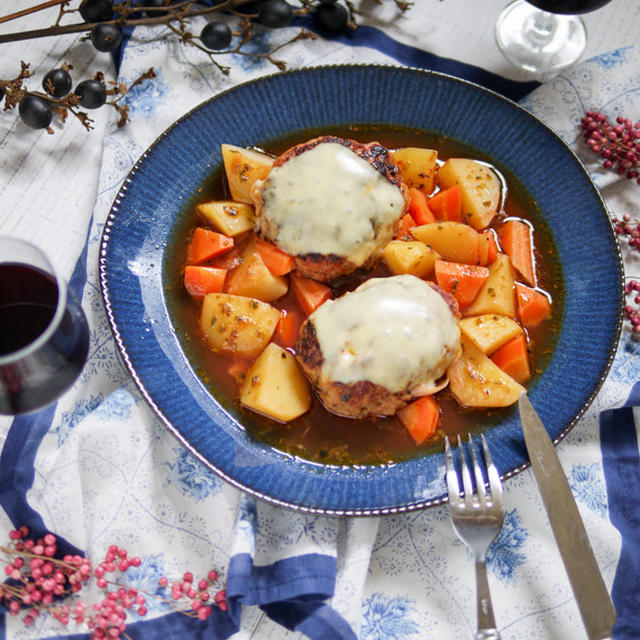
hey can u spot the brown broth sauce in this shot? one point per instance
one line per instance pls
(319, 435)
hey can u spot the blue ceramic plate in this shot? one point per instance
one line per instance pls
(149, 205)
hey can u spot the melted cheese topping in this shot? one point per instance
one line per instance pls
(330, 200)
(397, 332)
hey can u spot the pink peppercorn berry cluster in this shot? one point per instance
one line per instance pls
(197, 594)
(632, 313)
(628, 228)
(40, 581)
(619, 145)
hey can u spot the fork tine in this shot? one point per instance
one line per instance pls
(466, 476)
(478, 473)
(494, 476)
(452, 477)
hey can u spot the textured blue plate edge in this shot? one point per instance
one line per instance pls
(311, 508)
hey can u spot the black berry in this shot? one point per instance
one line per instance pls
(155, 3)
(96, 10)
(331, 16)
(35, 112)
(92, 94)
(57, 83)
(275, 14)
(216, 35)
(106, 37)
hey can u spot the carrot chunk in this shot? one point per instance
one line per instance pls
(406, 224)
(420, 418)
(199, 281)
(513, 359)
(447, 204)
(534, 305)
(517, 243)
(418, 207)
(487, 247)
(206, 244)
(277, 261)
(462, 281)
(309, 293)
(288, 327)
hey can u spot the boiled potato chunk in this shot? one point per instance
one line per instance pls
(236, 324)
(253, 279)
(476, 382)
(479, 188)
(230, 218)
(413, 257)
(490, 331)
(417, 167)
(242, 168)
(454, 241)
(497, 294)
(275, 386)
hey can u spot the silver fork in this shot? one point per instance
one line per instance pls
(477, 519)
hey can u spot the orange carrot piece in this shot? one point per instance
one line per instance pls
(229, 260)
(206, 244)
(406, 224)
(447, 204)
(309, 293)
(418, 207)
(420, 418)
(534, 305)
(517, 243)
(277, 261)
(513, 359)
(288, 327)
(487, 247)
(462, 281)
(199, 281)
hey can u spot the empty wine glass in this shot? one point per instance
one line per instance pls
(544, 36)
(44, 336)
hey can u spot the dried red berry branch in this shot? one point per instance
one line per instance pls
(618, 144)
(630, 230)
(40, 583)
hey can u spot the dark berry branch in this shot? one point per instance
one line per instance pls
(37, 108)
(103, 20)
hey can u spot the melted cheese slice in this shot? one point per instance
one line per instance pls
(329, 200)
(397, 332)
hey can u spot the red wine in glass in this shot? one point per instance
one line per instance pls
(568, 7)
(44, 337)
(544, 36)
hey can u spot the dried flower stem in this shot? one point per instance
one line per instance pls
(26, 12)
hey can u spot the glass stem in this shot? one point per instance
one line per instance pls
(540, 28)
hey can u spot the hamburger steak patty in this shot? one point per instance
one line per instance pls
(322, 205)
(362, 399)
(339, 349)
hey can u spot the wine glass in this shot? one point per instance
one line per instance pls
(44, 336)
(544, 36)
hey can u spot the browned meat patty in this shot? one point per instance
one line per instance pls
(321, 205)
(355, 396)
(362, 399)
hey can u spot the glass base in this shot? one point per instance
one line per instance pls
(539, 42)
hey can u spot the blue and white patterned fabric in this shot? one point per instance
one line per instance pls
(99, 468)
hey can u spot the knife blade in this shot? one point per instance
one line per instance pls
(594, 602)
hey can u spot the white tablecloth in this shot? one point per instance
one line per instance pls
(98, 468)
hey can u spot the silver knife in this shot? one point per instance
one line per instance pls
(594, 602)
